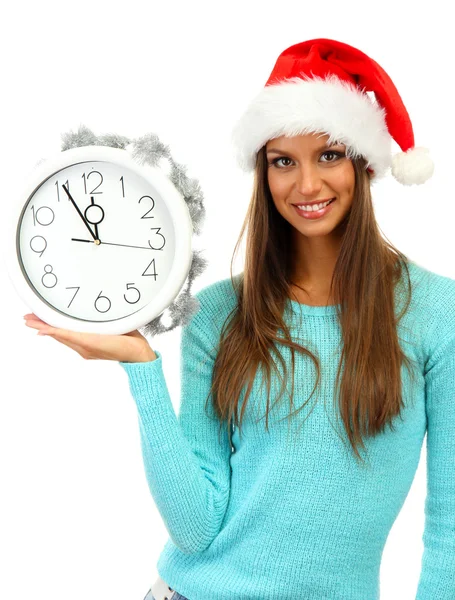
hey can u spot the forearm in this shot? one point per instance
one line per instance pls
(191, 500)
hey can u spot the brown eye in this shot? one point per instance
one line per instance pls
(275, 161)
(336, 154)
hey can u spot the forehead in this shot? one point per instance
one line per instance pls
(308, 140)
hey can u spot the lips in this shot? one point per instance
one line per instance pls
(312, 214)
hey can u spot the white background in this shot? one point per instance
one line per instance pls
(76, 517)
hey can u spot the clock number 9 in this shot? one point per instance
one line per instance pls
(37, 246)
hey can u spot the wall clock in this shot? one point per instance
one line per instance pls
(99, 242)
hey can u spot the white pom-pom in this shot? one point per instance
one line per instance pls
(412, 167)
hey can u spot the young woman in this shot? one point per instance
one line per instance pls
(341, 324)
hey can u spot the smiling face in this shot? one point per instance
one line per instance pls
(304, 169)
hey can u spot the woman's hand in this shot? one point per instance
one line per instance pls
(129, 347)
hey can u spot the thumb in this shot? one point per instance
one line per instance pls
(137, 334)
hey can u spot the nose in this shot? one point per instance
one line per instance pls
(309, 181)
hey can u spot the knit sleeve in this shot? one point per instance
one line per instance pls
(437, 578)
(186, 459)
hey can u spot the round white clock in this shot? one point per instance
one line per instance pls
(98, 242)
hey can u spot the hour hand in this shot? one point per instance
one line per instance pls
(79, 212)
(96, 224)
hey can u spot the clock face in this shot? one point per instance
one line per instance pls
(96, 241)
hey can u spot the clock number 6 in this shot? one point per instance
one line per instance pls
(100, 297)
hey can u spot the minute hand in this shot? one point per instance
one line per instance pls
(112, 244)
(80, 214)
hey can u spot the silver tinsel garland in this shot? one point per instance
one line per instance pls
(150, 150)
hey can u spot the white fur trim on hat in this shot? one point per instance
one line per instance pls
(329, 106)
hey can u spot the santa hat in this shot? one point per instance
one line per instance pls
(321, 86)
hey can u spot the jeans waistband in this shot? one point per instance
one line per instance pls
(160, 590)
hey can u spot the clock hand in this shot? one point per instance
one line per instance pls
(111, 244)
(96, 224)
(80, 214)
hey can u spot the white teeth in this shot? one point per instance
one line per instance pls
(314, 206)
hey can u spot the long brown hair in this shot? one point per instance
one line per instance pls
(363, 284)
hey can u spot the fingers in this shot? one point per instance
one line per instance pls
(35, 322)
(60, 335)
(130, 347)
(71, 339)
(64, 334)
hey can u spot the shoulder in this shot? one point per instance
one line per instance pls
(434, 292)
(220, 295)
(215, 303)
(434, 303)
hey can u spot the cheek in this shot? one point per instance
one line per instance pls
(279, 195)
(278, 186)
(346, 181)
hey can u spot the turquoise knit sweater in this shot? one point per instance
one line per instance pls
(287, 515)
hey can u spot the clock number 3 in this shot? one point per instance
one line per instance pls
(157, 230)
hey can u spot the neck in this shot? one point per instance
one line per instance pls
(315, 262)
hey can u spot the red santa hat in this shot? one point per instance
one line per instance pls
(321, 86)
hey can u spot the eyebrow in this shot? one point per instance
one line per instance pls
(277, 151)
